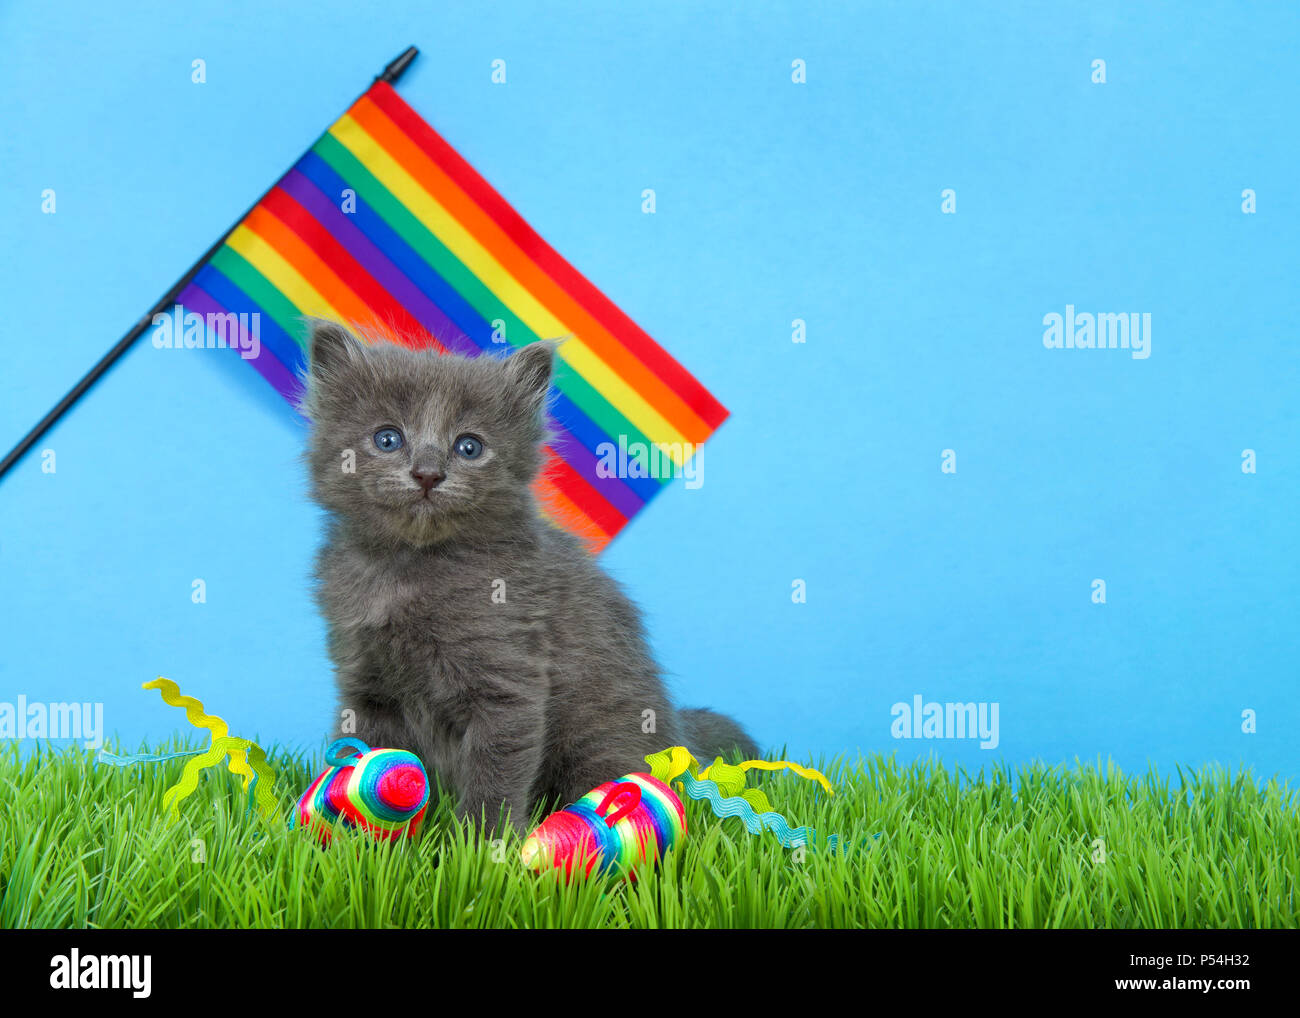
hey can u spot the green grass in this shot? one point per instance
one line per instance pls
(90, 846)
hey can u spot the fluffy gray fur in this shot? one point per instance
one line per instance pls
(523, 700)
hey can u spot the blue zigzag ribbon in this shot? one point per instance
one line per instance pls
(734, 806)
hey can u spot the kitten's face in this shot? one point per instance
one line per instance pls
(416, 448)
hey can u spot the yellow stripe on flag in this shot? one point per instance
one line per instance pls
(280, 274)
(461, 243)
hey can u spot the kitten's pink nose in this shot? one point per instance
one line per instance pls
(428, 478)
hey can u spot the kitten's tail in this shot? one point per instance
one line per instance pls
(708, 734)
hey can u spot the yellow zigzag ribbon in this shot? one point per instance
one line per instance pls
(672, 763)
(236, 749)
(172, 696)
(240, 752)
(771, 765)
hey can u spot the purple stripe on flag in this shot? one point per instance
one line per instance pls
(195, 299)
(614, 489)
(301, 189)
(375, 262)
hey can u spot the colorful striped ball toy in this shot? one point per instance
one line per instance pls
(611, 827)
(383, 791)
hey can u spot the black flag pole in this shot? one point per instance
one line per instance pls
(395, 69)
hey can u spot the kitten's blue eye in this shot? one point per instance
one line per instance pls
(388, 439)
(469, 447)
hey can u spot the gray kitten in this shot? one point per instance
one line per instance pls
(462, 625)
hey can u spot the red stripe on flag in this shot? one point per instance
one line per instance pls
(579, 491)
(387, 310)
(309, 264)
(563, 512)
(633, 338)
(404, 328)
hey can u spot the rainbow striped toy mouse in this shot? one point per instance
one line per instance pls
(383, 791)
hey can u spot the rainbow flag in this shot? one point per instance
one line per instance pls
(382, 224)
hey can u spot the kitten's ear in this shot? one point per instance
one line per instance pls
(529, 370)
(333, 349)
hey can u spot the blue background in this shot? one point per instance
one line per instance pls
(776, 201)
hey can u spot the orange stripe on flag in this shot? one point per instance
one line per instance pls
(312, 268)
(580, 492)
(526, 271)
(382, 306)
(563, 512)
